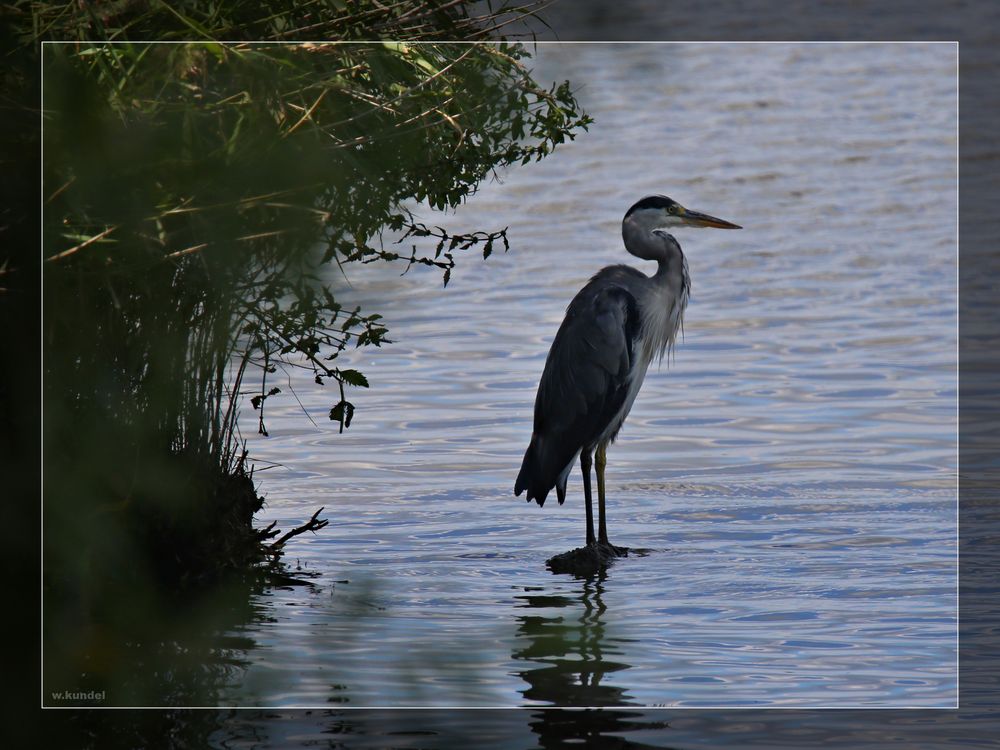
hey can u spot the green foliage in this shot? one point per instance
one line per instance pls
(198, 198)
(194, 195)
(196, 190)
(281, 20)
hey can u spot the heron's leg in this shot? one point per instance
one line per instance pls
(602, 525)
(585, 463)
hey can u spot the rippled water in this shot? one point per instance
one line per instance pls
(791, 473)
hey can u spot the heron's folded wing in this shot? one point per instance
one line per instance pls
(586, 374)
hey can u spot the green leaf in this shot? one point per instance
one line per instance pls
(353, 377)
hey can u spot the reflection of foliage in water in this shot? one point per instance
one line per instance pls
(193, 194)
(179, 651)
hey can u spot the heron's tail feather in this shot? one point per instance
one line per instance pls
(532, 476)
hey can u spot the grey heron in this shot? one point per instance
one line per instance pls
(614, 327)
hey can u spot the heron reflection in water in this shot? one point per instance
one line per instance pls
(563, 638)
(614, 327)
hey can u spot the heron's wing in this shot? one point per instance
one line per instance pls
(584, 383)
(585, 380)
(587, 371)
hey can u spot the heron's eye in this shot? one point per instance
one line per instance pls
(672, 208)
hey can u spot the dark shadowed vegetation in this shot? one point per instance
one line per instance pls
(195, 194)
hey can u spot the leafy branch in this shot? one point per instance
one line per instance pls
(221, 180)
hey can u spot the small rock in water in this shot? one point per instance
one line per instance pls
(586, 560)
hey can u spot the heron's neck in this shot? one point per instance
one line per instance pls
(642, 243)
(671, 265)
(671, 275)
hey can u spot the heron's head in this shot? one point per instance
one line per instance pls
(660, 212)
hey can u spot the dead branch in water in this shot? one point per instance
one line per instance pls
(313, 524)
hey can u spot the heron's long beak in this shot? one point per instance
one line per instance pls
(695, 219)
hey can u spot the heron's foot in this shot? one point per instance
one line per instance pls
(587, 560)
(610, 550)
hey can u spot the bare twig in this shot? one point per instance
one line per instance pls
(267, 533)
(60, 190)
(313, 524)
(92, 240)
(187, 250)
(306, 116)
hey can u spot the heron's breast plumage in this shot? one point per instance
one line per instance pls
(661, 309)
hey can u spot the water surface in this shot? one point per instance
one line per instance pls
(791, 471)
